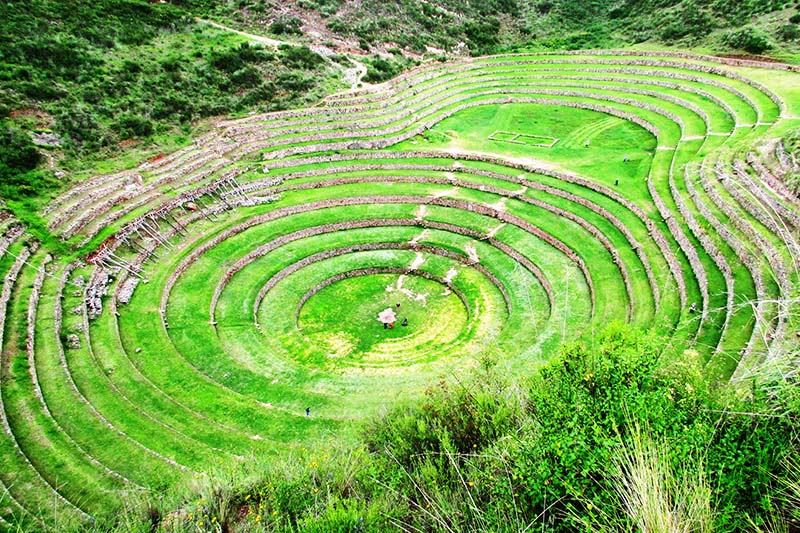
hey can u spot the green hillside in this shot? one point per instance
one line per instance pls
(274, 268)
(118, 76)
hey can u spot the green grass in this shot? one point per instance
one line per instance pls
(153, 397)
(346, 313)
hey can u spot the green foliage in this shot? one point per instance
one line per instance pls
(128, 69)
(555, 454)
(791, 142)
(19, 178)
(690, 21)
(789, 32)
(581, 405)
(286, 26)
(301, 57)
(595, 36)
(380, 69)
(749, 39)
(562, 23)
(459, 420)
(482, 35)
(17, 152)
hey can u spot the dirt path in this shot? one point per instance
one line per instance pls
(352, 76)
(261, 39)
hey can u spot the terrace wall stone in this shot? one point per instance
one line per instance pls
(654, 231)
(267, 248)
(378, 270)
(597, 234)
(710, 248)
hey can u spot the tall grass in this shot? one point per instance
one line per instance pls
(652, 496)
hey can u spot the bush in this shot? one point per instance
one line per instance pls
(483, 35)
(789, 32)
(690, 21)
(17, 151)
(380, 69)
(19, 177)
(286, 26)
(130, 126)
(551, 453)
(459, 420)
(294, 81)
(749, 39)
(301, 57)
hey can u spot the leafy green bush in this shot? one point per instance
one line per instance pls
(482, 35)
(17, 151)
(749, 39)
(301, 57)
(130, 126)
(552, 459)
(459, 420)
(789, 32)
(286, 26)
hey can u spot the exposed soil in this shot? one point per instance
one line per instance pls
(746, 57)
(43, 119)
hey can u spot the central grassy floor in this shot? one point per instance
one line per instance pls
(341, 319)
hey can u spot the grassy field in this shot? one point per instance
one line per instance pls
(508, 204)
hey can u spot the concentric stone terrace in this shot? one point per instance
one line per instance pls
(500, 205)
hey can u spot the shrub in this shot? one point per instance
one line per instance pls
(301, 57)
(286, 26)
(483, 35)
(17, 151)
(552, 454)
(789, 32)
(131, 125)
(689, 21)
(380, 69)
(294, 81)
(459, 419)
(19, 177)
(749, 39)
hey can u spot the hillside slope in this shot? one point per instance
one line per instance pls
(88, 77)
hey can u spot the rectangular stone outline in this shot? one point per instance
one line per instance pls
(495, 136)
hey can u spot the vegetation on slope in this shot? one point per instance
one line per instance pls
(105, 75)
(100, 74)
(720, 25)
(792, 142)
(480, 27)
(556, 453)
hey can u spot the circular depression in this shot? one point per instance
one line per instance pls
(303, 313)
(340, 315)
